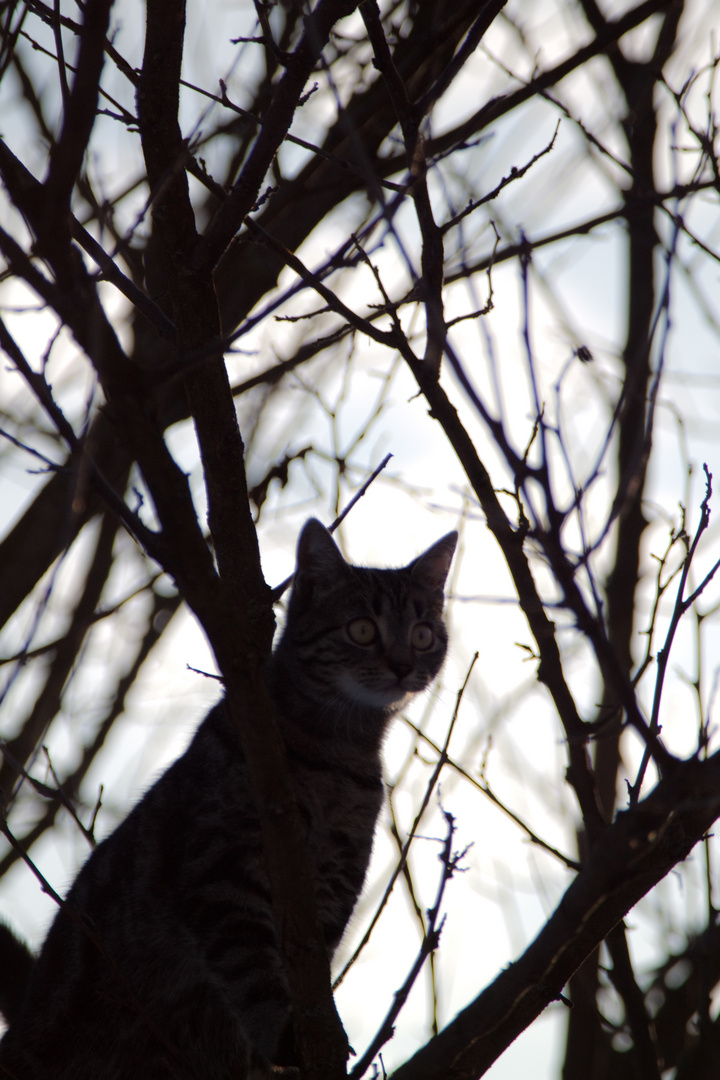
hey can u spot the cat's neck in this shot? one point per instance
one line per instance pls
(300, 710)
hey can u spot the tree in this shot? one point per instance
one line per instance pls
(388, 200)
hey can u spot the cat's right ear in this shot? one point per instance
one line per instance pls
(317, 551)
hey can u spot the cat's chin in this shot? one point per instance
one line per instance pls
(391, 697)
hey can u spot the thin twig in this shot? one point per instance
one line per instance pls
(60, 794)
(419, 914)
(484, 787)
(431, 939)
(278, 591)
(442, 760)
(682, 603)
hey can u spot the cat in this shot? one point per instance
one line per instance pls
(164, 961)
(16, 964)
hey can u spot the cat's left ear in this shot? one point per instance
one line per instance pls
(432, 567)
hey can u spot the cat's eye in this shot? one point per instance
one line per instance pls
(421, 637)
(362, 631)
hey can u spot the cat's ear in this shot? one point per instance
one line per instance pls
(317, 551)
(431, 568)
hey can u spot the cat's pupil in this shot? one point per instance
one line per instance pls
(362, 631)
(422, 636)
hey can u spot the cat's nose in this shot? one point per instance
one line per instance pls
(399, 667)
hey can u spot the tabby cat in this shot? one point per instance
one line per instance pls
(182, 976)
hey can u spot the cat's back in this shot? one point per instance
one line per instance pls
(124, 952)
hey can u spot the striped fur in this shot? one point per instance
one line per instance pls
(165, 962)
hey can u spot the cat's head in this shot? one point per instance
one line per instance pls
(362, 638)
